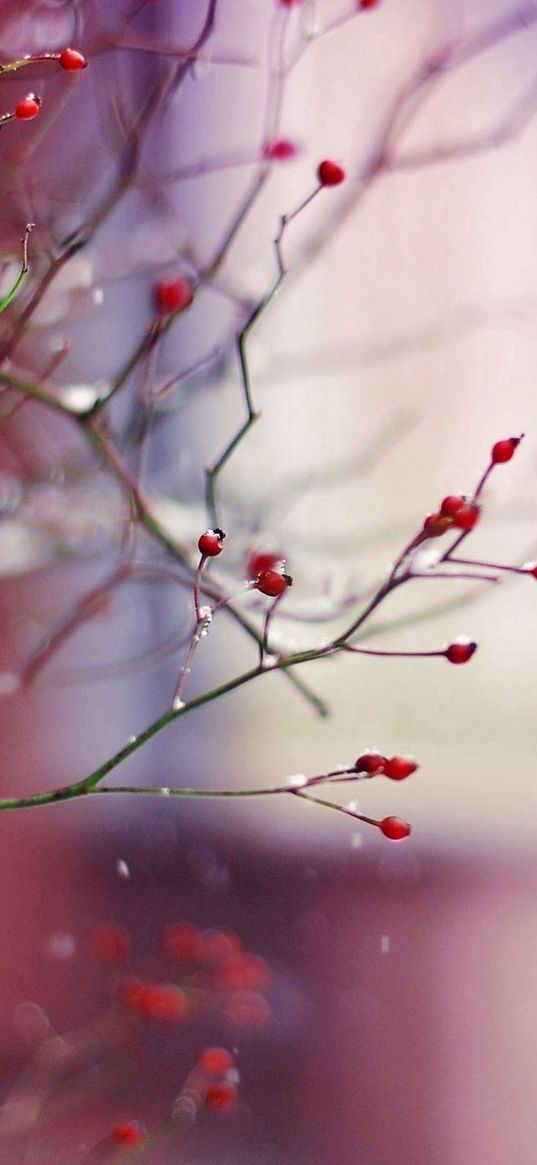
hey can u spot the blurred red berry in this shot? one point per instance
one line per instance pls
(215, 1061)
(109, 943)
(172, 296)
(280, 151)
(129, 1133)
(131, 992)
(221, 1095)
(260, 560)
(157, 1002)
(250, 972)
(216, 945)
(247, 1010)
(330, 173)
(182, 942)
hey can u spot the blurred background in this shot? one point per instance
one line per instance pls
(396, 1022)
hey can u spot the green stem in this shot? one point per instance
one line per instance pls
(5, 302)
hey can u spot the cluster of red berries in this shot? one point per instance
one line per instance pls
(157, 1002)
(459, 512)
(266, 569)
(215, 1065)
(28, 107)
(210, 1081)
(456, 512)
(228, 974)
(397, 768)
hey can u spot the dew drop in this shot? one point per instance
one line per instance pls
(122, 869)
(297, 781)
(80, 397)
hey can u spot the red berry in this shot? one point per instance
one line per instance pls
(503, 450)
(131, 992)
(216, 945)
(260, 560)
(533, 571)
(71, 60)
(273, 583)
(109, 943)
(397, 768)
(466, 516)
(370, 762)
(221, 1095)
(216, 1061)
(460, 652)
(210, 545)
(330, 174)
(452, 504)
(162, 1004)
(280, 151)
(367, 3)
(435, 525)
(246, 972)
(182, 942)
(128, 1133)
(27, 108)
(172, 296)
(394, 828)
